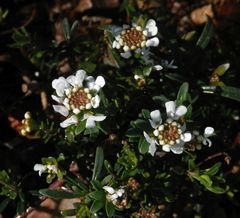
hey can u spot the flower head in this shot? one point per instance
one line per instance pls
(77, 96)
(170, 135)
(116, 196)
(204, 139)
(135, 38)
(45, 169)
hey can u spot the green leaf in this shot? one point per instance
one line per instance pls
(182, 94)
(4, 204)
(74, 25)
(213, 170)
(98, 163)
(107, 179)
(97, 195)
(110, 209)
(225, 91)
(20, 207)
(231, 92)
(143, 146)
(147, 70)
(96, 184)
(175, 77)
(70, 212)
(77, 183)
(80, 127)
(191, 164)
(66, 28)
(134, 132)
(146, 113)
(220, 70)
(59, 194)
(206, 35)
(189, 112)
(216, 190)
(108, 166)
(205, 180)
(96, 206)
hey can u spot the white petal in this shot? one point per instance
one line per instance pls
(181, 110)
(120, 192)
(208, 131)
(70, 121)
(57, 99)
(166, 148)
(99, 117)
(109, 189)
(61, 109)
(152, 149)
(90, 123)
(158, 67)
(126, 55)
(150, 23)
(207, 141)
(71, 80)
(152, 42)
(116, 44)
(170, 108)
(90, 82)
(147, 137)
(156, 116)
(80, 76)
(60, 85)
(100, 81)
(39, 167)
(177, 149)
(186, 137)
(95, 101)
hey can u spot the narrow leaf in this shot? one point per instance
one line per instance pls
(206, 35)
(59, 194)
(99, 158)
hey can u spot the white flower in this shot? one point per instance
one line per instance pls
(204, 139)
(135, 38)
(112, 194)
(173, 111)
(91, 119)
(168, 64)
(77, 94)
(171, 134)
(45, 168)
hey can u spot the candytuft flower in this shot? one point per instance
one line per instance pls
(135, 38)
(78, 97)
(170, 134)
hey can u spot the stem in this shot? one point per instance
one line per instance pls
(212, 157)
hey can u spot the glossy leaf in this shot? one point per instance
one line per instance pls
(99, 158)
(206, 35)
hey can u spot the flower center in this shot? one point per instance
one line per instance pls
(168, 133)
(79, 99)
(133, 38)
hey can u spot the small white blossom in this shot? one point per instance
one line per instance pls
(169, 65)
(170, 134)
(77, 94)
(45, 168)
(204, 139)
(113, 195)
(135, 38)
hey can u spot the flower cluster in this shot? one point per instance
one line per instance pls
(135, 38)
(170, 135)
(116, 197)
(77, 96)
(50, 166)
